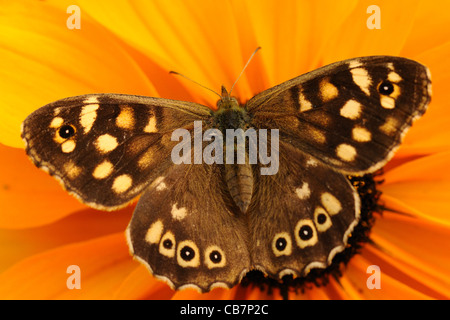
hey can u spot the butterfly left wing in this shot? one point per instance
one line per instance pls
(186, 230)
(352, 115)
(106, 148)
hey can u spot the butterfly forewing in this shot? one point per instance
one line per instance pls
(106, 149)
(352, 114)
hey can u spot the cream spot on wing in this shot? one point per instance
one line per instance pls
(160, 184)
(56, 122)
(351, 109)
(304, 192)
(167, 245)
(151, 126)
(387, 102)
(90, 100)
(71, 169)
(125, 119)
(282, 244)
(103, 170)
(346, 152)
(154, 232)
(394, 77)
(305, 104)
(106, 143)
(331, 203)
(215, 257)
(87, 116)
(68, 146)
(429, 87)
(361, 78)
(188, 254)
(390, 126)
(317, 135)
(328, 90)
(122, 183)
(311, 162)
(178, 213)
(355, 64)
(145, 160)
(361, 134)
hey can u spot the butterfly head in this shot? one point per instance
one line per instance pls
(226, 101)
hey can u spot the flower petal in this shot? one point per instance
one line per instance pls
(140, 284)
(29, 197)
(422, 185)
(391, 287)
(181, 36)
(17, 244)
(103, 263)
(42, 61)
(415, 252)
(426, 32)
(354, 38)
(431, 133)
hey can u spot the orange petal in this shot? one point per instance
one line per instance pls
(18, 244)
(427, 32)
(28, 196)
(104, 263)
(140, 284)
(358, 274)
(431, 133)
(41, 60)
(354, 38)
(182, 36)
(416, 252)
(422, 185)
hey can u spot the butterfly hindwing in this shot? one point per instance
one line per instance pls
(352, 114)
(309, 223)
(187, 232)
(105, 149)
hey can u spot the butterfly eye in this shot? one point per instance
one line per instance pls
(386, 88)
(66, 131)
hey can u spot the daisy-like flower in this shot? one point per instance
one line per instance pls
(129, 47)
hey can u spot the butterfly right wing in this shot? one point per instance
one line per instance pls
(107, 148)
(351, 115)
(301, 217)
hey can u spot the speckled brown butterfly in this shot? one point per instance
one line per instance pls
(206, 225)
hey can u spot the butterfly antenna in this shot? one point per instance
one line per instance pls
(179, 74)
(243, 69)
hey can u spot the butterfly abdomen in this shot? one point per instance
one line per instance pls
(239, 179)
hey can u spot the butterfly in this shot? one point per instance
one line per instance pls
(205, 224)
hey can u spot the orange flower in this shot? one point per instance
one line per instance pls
(129, 47)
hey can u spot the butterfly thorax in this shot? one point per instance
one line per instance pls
(232, 118)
